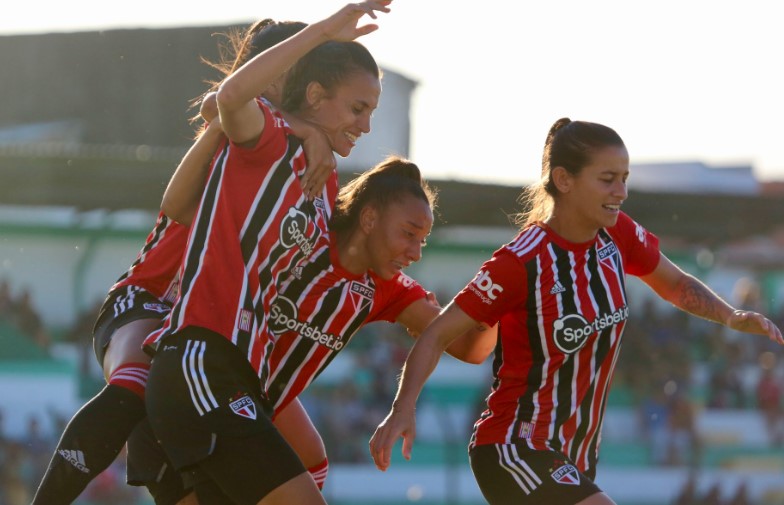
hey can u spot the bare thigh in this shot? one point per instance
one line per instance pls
(296, 427)
(126, 345)
(301, 490)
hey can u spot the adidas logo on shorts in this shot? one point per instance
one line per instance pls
(76, 458)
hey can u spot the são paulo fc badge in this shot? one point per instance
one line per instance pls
(244, 407)
(566, 474)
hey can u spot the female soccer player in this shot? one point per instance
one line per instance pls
(558, 291)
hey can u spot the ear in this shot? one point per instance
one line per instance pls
(367, 218)
(562, 179)
(314, 94)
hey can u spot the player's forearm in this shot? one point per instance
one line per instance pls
(694, 297)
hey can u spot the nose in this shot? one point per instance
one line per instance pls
(415, 252)
(621, 190)
(363, 122)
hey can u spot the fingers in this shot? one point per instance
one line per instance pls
(753, 322)
(316, 178)
(379, 450)
(371, 6)
(408, 444)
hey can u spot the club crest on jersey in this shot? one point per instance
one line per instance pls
(607, 255)
(361, 295)
(244, 407)
(566, 474)
(572, 331)
(294, 231)
(318, 202)
(160, 308)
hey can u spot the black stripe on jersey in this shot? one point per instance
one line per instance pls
(525, 403)
(200, 231)
(563, 406)
(265, 207)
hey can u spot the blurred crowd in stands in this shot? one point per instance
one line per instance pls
(18, 310)
(661, 351)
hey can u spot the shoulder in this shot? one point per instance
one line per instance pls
(527, 244)
(627, 229)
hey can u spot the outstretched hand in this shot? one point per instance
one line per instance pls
(344, 24)
(754, 322)
(396, 424)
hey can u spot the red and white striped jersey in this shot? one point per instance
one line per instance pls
(316, 312)
(562, 308)
(252, 226)
(156, 266)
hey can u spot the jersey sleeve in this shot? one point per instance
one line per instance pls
(394, 296)
(274, 135)
(639, 247)
(497, 288)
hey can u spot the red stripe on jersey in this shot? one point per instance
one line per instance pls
(562, 308)
(157, 263)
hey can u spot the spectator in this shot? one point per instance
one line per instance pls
(712, 496)
(726, 387)
(654, 414)
(688, 493)
(13, 488)
(684, 442)
(28, 321)
(741, 496)
(6, 301)
(769, 392)
(37, 448)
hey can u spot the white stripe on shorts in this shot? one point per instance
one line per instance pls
(193, 370)
(510, 460)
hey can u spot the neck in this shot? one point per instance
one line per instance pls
(571, 229)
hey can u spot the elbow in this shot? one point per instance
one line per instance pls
(228, 97)
(175, 212)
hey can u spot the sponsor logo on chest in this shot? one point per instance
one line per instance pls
(284, 318)
(294, 232)
(571, 332)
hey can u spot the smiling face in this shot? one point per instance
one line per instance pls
(344, 113)
(396, 234)
(591, 199)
